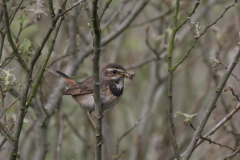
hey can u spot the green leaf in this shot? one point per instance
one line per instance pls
(187, 116)
(26, 44)
(22, 17)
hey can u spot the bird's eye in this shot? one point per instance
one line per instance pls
(114, 71)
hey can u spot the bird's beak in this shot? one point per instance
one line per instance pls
(122, 73)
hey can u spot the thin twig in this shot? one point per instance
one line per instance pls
(114, 15)
(14, 47)
(2, 105)
(10, 106)
(233, 154)
(211, 106)
(211, 141)
(199, 36)
(76, 131)
(153, 19)
(15, 11)
(148, 44)
(87, 9)
(51, 10)
(190, 15)
(234, 75)
(5, 139)
(186, 55)
(60, 137)
(221, 123)
(120, 154)
(68, 9)
(1, 45)
(215, 22)
(233, 93)
(104, 9)
(35, 85)
(7, 60)
(6, 133)
(128, 131)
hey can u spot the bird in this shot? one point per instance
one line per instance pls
(111, 79)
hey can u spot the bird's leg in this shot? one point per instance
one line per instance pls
(89, 116)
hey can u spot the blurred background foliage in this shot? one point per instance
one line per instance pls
(194, 81)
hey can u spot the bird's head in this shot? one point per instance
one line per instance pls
(113, 71)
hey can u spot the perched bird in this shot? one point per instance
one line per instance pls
(111, 79)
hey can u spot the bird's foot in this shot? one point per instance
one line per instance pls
(100, 143)
(101, 116)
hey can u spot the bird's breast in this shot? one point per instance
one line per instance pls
(116, 89)
(111, 96)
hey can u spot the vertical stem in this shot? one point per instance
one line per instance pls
(97, 49)
(170, 83)
(21, 113)
(1, 45)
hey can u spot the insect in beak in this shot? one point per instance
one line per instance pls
(130, 75)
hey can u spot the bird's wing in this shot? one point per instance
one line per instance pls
(84, 87)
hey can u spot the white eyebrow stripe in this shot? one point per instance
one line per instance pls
(111, 69)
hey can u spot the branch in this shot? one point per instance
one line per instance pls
(199, 36)
(51, 10)
(144, 62)
(1, 45)
(149, 46)
(116, 156)
(5, 139)
(215, 22)
(234, 75)
(170, 83)
(190, 15)
(76, 131)
(154, 19)
(2, 105)
(211, 141)
(64, 56)
(120, 154)
(6, 133)
(211, 106)
(60, 137)
(233, 92)
(96, 94)
(15, 11)
(113, 15)
(187, 54)
(88, 13)
(126, 23)
(14, 47)
(104, 9)
(233, 154)
(221, 123)
(9, 106)
(46, 35)
(68, 9)
(44, 63)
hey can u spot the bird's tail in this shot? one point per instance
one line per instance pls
(66, 77)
